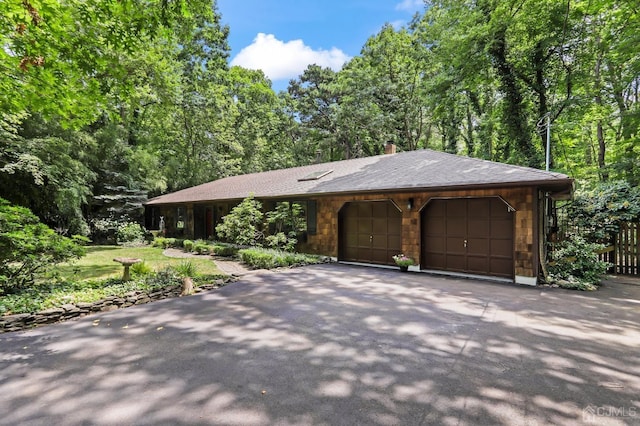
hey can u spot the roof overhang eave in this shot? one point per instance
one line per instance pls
(558, 189)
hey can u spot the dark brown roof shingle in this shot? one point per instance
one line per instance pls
(412, 170)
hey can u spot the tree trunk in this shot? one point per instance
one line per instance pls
(515, 115)
(601, 152)
(602, 146)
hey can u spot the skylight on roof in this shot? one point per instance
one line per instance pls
(315, 175)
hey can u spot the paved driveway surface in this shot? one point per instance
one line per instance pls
(336, 344)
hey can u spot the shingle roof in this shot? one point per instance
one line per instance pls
(412, 170)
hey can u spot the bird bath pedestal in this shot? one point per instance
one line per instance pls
(126, 262)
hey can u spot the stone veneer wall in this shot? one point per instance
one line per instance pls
(72, 310)
(521, 199)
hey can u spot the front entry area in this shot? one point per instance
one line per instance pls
(468, 235)
(370, 232)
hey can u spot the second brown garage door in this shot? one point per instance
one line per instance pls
(468, 235)
(370, 232)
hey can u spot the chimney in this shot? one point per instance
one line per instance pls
(318, 156)
(389, 148)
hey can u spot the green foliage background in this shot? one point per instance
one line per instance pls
(28, 247)
(105, 103)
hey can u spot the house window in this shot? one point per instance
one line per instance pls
(309, 211)
(180, 218)
(312, 220)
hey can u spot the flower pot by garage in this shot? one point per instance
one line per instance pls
(404, 268)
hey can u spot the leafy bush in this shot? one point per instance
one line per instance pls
(104, 230)
(28, 247)
(141, 268)
(261, 258)
(168, 243)
(258, 258)
(208, 278)
(599, 211)
(202, 248)
(243, 224)
(158, 242)
(81, 240)
(225, 250)
(288, 222)
(188, 245)
(130, 233)
(282, 241)
(576, 265)
(166, 277)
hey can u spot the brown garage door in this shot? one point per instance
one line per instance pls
(469, 235)
(370, 232)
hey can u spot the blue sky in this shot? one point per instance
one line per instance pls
(282, 37)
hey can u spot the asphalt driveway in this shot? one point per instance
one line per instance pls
(337, 345)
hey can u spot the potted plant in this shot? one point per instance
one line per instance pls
(403, 262)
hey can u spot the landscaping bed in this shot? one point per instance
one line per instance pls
(78, 309)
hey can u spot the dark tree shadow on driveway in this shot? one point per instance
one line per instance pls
(336, 344)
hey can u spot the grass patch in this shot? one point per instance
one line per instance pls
(99, 264)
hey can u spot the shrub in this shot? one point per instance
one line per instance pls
(282, 241)
(81, 240)
(209, 279)
(599, 211)
(243, 224)
(167, 277)
(202, 248)
(158, 242)
(28, 247)
(288, 222)
(257, 258)
(188, 245)
(130, 233)
(171, 243)
(260, 258)
(141, 268)
(225, 250)
(576, 265)
(104, 230)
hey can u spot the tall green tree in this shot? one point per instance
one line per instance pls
(77, 80)
(315, 97)
(387, 80)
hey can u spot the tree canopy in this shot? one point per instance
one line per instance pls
(107, 102)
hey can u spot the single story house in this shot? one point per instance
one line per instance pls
(451, 214)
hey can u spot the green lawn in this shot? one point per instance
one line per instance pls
(98, 263)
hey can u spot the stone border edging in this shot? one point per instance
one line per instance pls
(18, 322)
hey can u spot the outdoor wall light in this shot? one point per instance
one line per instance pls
(410, 204)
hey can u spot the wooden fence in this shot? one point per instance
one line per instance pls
(624, 254)
(626, 250)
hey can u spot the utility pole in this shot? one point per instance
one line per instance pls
(548, 141)
(547, 124)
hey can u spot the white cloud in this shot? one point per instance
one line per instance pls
(281, 60)
(410, 5)
(397, 25)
